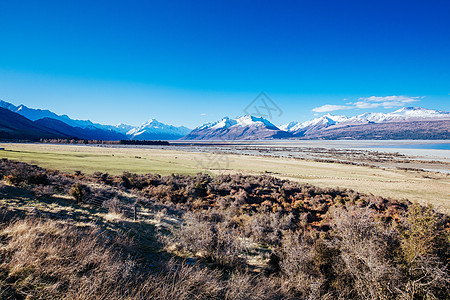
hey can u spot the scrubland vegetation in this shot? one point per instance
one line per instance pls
(415, 185)
(101, 236)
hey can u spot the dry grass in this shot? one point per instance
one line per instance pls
(45, 259)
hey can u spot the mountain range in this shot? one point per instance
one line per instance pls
(405, 123)
(16, 127)
(330, 122)
(64, 126)
(21, 122)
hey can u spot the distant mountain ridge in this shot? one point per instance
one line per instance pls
(36, 114)
(329, 122)
(85, 129)
(409, 130)
(88, 133)
(332, 127)
(16, 127)
(404, 123)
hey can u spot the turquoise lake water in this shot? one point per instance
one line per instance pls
(440, 146)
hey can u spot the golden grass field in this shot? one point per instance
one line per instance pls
(423, 187)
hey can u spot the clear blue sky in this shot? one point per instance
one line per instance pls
(190, 62)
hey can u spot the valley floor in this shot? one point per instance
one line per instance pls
(413, 184)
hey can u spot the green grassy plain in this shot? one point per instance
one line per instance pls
(422, 187)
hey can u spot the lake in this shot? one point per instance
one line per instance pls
(440, 146)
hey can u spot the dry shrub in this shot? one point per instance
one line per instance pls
(49, 260)
(243, 286)
(60, 183)
(211, 240)
(22, 174)
(113, 206)
(300, 265)
(373, 252)
(44, 259)
(182, 281)
(366, 248)
(267, 227)
(42, 191)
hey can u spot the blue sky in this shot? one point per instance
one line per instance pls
(186, 62)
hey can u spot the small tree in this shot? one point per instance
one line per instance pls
(425, 244)
(78, 191)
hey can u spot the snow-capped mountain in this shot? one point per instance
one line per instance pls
(121, 127)
(401, 115)
(329, 122)
(226, 122)
(313, 125)
(420, 112)
(154, 130)
(241, 128)
(151, 130)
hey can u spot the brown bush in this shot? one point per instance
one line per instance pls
(182, 281)
(268, 227)
(300, 268)
(42, 191)
(366, 249)
(113, 205)
(209, 239)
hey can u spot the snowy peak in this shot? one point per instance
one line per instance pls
(327, 119)
(402, 114)
(419, 112)
(289, 126)
(244, 121)
(241, 128)
(121, 127)
(314, 124)
(255, 121)
(152, 129)
(152, 123)
(225, 122)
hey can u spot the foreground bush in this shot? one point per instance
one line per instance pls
(44, 259)
(212, 240)
(50, 260)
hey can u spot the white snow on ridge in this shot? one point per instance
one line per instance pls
(402, 114)
(323, 121)
(153, 126)
(253, 121)
(244, 121)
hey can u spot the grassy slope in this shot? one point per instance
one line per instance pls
(416, 186)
